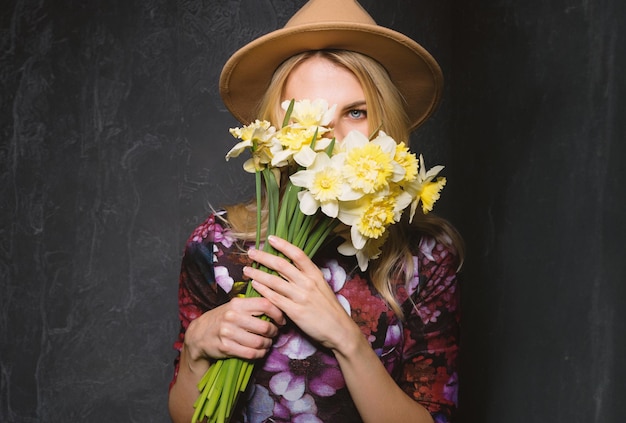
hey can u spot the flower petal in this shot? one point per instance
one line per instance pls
(308, 203)
(305, 156)
(288, 385)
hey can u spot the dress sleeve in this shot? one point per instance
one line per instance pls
(431, 331)
(198, 290)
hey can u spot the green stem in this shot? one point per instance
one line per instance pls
(318, 236)
(304, 230)
(259, 205)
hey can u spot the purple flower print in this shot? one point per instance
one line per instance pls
(302, 410)
(299, 367)
(451, 389)
(260, 406)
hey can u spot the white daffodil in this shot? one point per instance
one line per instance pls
(323, 185)
(370, 251)
(307, 113)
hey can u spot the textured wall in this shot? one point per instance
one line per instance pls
(539, 135)
(112, 138)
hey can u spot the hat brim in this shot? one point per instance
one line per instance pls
(247, 74)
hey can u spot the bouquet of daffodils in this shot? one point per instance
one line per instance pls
(363, 184)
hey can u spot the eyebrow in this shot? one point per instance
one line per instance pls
(358, 103)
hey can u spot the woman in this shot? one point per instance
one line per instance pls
(393, 357)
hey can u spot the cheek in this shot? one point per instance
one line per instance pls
(345, 127)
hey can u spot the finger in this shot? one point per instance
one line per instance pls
(295, 254)
(251, 347)
(283, 267)
(277, 299)
(273, 282)
(258, 307)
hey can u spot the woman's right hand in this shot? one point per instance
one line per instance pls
(233, 329)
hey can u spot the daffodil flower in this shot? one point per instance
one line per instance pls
(259, 137)
(423, 189)
(313, 114)
(296, 143)
(369, 165)
(369, 216)
(307, 118)
(370, 251)
(323, 184)
(408, 161)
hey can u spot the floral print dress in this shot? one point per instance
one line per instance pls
(300, 381)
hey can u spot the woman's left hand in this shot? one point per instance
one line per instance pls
(302, 293)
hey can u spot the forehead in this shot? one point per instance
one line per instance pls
(318, 77)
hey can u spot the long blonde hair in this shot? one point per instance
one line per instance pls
(386, 111)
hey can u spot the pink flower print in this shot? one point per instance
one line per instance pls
(429, 316)
(426, 247)
(415, 280)
(223, 279)
(202, 231)
(215, 231)
(335, 275)
(223, 236)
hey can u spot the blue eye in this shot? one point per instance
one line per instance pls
(357, 114)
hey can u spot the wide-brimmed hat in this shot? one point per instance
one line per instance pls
(333, 25)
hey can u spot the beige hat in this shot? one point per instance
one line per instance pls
(332, 24)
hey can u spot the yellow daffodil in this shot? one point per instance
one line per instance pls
(408, 161)
(423, 189)
(259, 137)
(369, 216)
(369, 165)
(296, 143)
(430, 193)
(306, 120)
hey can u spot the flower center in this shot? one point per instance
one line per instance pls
(306, 367)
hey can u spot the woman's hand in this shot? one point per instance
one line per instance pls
(233, 330)
(303, 294)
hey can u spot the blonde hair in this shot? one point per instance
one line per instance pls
(386, 112)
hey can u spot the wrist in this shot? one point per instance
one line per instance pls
(350, 342)
(196, 366)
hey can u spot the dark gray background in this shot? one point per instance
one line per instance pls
(112, 143)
